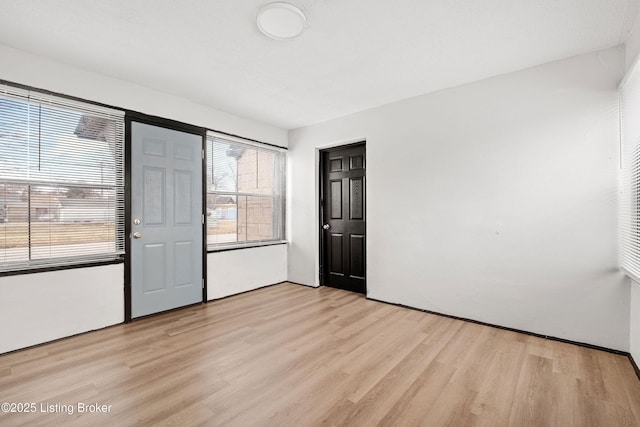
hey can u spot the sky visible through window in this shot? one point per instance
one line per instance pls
(222, 167)
(39, 144)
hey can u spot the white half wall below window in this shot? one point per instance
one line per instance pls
(41, 307)
(241, 270)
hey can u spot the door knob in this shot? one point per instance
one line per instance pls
(137, 235)
(326, 226)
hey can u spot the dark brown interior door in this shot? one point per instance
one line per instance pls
(343, 218)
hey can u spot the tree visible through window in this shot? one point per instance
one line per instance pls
(245, 192)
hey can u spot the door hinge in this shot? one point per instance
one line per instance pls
(202, 152)
(202, 283)
(202, 218)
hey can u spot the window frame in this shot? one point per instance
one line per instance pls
(121, 257)
(31, 95)
(278, 197)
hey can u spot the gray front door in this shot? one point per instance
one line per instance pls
(166, 212)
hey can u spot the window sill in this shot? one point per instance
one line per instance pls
(631, 276)
(46, 269)
(234, 247)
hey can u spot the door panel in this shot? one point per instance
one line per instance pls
(336, 199)
(343, 214)
(166, 244)
(357, 255)
(183, 198)
(153, 190)
(336, 165)
(356, 206)
(356, 162)
(336, 261)
(154, 256)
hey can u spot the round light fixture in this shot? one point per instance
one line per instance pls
(281, 21)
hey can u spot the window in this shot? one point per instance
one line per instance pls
(630, 213)
(245, 192)
(61, 181)
(630, 185)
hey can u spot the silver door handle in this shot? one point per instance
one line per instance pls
(137, 235)
(326, 226)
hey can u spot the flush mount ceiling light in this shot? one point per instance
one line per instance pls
(281, 21)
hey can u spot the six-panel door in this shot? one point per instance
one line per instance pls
(344, 226)
(166, 210)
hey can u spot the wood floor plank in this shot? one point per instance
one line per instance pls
(412, 407)
(289, 355)
(534, 402)
(495, 398)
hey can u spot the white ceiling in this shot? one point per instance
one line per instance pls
(355, 54)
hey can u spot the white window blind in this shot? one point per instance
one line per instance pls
(61, 181)
(630, 188)
(245, 192)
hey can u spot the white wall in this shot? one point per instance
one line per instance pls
(76, 301)
(635, 323)
(495, 201)
(632, 45)
(232, 272)
(41, 307)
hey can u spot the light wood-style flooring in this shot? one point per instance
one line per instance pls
(289, 355)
